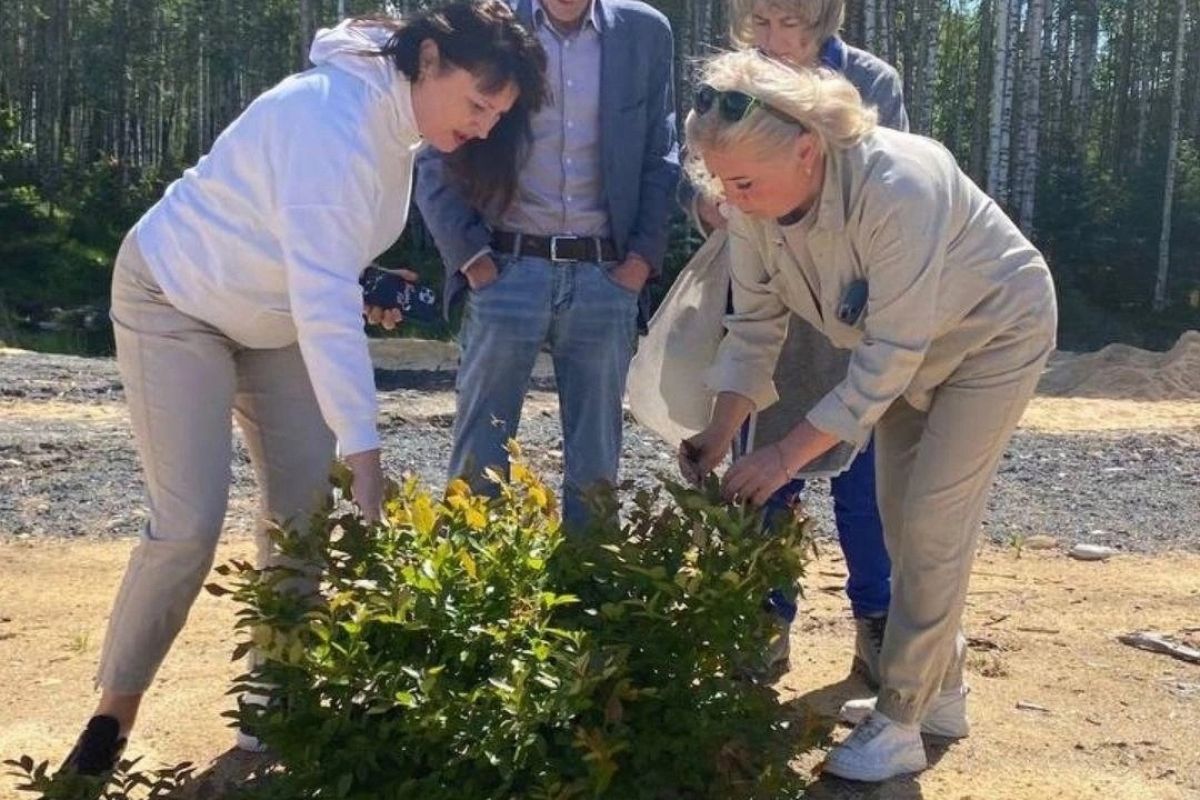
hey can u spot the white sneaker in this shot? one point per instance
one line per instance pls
(946, 717)
(876, 750)
(249, 744)
(246, 742)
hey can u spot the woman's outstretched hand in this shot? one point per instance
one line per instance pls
(700, 455)
(757, 476)
(753, 478)
(367, 483)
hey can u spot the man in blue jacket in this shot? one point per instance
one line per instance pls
(563, 266)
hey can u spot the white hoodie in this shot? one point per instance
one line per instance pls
(265, 238)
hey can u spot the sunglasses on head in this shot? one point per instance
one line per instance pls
(734, 106)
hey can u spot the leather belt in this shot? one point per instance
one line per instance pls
(555, 248)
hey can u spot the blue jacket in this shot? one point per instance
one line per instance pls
(637, 115)
(876, 80)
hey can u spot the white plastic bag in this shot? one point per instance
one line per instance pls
(666, 388)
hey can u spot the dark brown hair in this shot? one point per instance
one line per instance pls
(485, 38)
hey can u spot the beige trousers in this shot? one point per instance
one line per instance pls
(183, 381)
(934, 471)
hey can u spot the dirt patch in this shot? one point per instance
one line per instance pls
(1121, 723)
(1122, 372)
(1118, 463)
(1089, 415)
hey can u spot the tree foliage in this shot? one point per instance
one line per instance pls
(102, 102)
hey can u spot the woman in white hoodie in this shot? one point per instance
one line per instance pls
(238, 295)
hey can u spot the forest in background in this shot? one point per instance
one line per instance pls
(1081, 117)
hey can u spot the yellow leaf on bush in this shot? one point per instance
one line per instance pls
(475, 518)
(423, 518)
(520, 473)
(539, 495)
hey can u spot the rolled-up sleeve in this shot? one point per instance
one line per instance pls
(904, 251)
(756, 329)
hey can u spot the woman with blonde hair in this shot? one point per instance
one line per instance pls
(877, 239)
(804, 33)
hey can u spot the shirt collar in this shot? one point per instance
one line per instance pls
(833, 54)
(592, 16)
(828, 212)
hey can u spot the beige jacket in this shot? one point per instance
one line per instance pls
(948, 274)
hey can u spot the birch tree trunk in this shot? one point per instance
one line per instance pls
(1164, 239)
(307, 27)
(979, 161)
(1083, 67)
(1143, 120)
(120, 28)
(1031, 117)
(1192, 123)
(1003, 180)
(1061, 67)
(887, 46)
(870, 10)
(930, 28)
(1000, 96)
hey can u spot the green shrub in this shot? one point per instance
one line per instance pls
(467, 649)
(127, 781)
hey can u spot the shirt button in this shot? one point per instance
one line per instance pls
(570, 83)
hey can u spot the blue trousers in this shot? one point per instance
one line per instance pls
(860, 532)
(589, 324)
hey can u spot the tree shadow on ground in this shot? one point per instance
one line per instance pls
(229, 772)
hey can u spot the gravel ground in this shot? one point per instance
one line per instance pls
(68, 469)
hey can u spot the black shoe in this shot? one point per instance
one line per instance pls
(98, 749)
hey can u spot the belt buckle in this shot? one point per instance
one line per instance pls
(554, 248)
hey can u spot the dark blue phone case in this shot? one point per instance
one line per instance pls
(854, 303)
(389, 291)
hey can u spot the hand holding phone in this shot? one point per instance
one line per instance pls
(395, 295)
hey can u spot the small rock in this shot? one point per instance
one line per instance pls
(1041, 542)
(1092, 552)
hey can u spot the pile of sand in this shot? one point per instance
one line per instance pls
(1121, 372)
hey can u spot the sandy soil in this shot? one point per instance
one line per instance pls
(1117, 722)
(1120, 723)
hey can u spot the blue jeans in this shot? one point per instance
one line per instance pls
(860, 532)
(589, 324)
